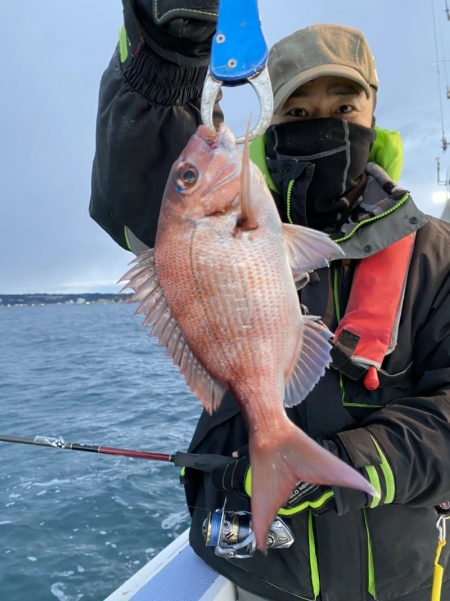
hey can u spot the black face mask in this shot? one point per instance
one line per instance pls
(318, 166)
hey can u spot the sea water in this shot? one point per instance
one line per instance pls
(73, 525)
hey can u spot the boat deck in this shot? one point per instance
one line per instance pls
(175, 574)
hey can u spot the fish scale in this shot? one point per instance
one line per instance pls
(239, 265)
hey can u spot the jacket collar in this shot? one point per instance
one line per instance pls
(386, 213)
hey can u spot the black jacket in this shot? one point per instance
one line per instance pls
(149, 107)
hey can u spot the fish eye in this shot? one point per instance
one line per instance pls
(187, 177)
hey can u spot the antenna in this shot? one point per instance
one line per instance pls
(447, 10)
(444, 50)
(441, 182)
(438, 69)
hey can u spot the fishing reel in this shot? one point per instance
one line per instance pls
(230, 532)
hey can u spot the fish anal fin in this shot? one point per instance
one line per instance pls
(144, 282)
(308, 249)
(312, 360)
(294, 457)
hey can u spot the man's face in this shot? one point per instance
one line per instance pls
(326, 97)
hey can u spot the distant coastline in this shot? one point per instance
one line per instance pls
(36, 300)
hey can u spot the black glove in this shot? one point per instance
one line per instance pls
(192, 19)
(315, 497)
(231, 477)
(236, 477)
(178, 29)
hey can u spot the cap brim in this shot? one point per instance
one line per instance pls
(286, 90)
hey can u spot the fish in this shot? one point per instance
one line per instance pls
(219, 292)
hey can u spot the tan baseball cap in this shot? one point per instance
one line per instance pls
(318, 51)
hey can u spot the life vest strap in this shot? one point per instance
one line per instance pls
(342, 353)
(342, 362)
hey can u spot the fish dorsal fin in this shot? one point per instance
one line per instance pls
(308, 249)
(143, 280)
(312, 361)
(248, 200)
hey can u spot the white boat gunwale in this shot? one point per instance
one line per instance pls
(194, 579)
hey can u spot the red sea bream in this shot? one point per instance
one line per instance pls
(219, 292)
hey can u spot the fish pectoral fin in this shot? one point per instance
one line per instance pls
(308, 249)
(312, 360)
(143, 280)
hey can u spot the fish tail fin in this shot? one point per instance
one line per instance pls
(277, 468)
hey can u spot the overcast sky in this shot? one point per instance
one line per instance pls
(53, 55)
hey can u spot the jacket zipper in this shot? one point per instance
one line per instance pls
(375, 218)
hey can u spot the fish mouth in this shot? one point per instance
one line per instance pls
(221, 144)
(214, 137)
(210, 136)
(222, 140)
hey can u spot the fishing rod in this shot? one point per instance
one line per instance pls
(229, 532)
(204, 463)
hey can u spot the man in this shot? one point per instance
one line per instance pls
(385, 407)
